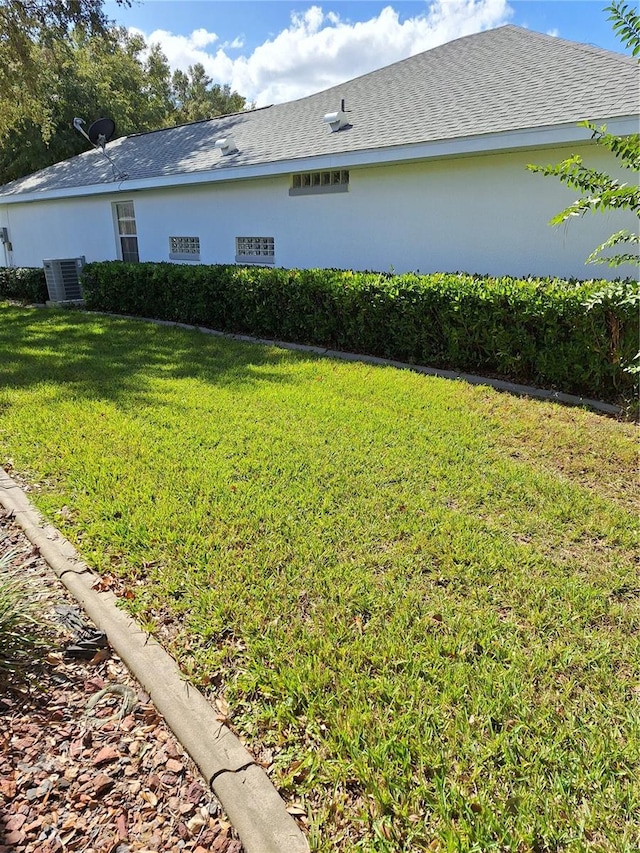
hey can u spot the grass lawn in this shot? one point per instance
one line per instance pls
(419, 599)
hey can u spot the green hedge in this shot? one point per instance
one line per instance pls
(535, 331)
(25, 284)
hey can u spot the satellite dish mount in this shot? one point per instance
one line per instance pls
(99, 133)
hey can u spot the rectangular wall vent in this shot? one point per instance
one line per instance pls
(255, 250)
(63, 279)
(184, 248)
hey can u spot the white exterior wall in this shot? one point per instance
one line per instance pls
(481, 213)
(65, 228)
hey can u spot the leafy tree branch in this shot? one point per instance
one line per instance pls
(63, 58)
(599, 190)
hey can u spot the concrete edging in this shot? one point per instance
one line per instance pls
(473, 379)
(252, 803)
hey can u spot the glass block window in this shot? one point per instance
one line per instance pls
(255, 250)
(329, 181)
(184, 248)
(126, 231)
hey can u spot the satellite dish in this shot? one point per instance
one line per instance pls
(101, 131)
(99, 134)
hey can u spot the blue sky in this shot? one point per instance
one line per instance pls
(276, 50)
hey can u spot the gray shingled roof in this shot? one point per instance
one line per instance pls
(506, 79)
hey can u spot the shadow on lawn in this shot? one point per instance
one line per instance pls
(105, 358)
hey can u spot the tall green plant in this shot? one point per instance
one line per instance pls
(600, 191)
(21, 635)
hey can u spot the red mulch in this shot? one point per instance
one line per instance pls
(74, 779)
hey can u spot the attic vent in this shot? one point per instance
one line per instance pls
(315, 183)
(63, 279)
(226, 145)
(338, 120)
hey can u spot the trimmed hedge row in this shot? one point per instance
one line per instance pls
(24, 284)
(536, 331)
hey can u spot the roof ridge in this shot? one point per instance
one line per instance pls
(583, 47)
(397, 62)
(197, 121)
(580, 46)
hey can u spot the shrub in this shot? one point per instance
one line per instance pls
(549, 332)
(24, 284)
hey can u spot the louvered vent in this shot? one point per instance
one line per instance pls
(63, 279)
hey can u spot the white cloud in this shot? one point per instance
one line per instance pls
(201, 38)
(555, 32)
(236, 44)
(181, 51)
(319, 49)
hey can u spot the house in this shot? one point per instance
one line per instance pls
(417, 166)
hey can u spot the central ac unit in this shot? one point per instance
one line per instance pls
(63, 279)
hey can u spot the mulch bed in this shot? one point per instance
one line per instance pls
(74, 778)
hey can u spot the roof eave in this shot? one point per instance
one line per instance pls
(538, 137)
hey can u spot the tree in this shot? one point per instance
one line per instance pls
(109, 73)
(601, 191)
(196, 96)
(89, 76)
(26, 26)
(157, 85)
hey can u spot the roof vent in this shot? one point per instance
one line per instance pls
(338, 120)
(226, 145)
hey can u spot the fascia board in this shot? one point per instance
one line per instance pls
(538, 137)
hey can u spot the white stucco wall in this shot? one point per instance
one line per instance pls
(65, 228)
(484, 214)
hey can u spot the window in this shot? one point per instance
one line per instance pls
(184, 248)
(126, 231)
(311, 183)
(255, 250)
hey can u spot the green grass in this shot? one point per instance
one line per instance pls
(419, 598)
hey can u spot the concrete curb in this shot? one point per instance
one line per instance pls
(253, 805)
(473, 379)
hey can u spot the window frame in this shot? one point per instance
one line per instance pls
(118, 220)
